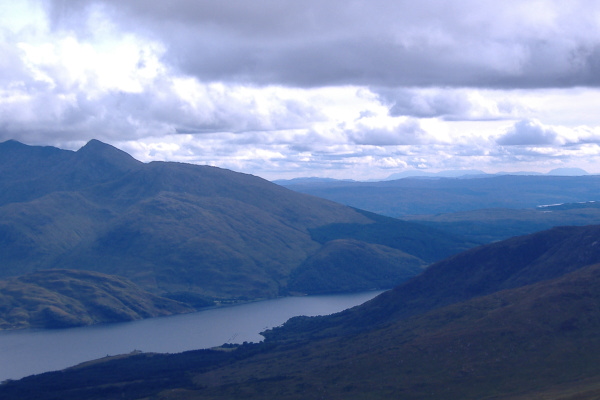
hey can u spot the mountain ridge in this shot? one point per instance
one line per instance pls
(412, 196)
(180, 228)
(480, 271)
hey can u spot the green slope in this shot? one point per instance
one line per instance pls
(67, 298)
(186, 230)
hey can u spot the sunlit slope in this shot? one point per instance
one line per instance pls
(67, 298)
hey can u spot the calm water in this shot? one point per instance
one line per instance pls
(24, 353)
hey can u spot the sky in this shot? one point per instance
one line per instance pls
(327, 88)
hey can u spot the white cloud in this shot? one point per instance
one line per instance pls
(408, 132)
(278, 87)
(528, 132)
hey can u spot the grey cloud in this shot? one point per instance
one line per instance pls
(408, 102)
(528, 132)
(382, 42)
(60, 114)
(407, 133)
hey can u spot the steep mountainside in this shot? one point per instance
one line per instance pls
(29, 172)
(518, 321)
(477, 272)
(184, 230)
(66, 298)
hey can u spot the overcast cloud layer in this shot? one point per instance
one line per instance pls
(278, 88)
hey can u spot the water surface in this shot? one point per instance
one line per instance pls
(28, 352)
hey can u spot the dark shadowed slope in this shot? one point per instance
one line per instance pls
(514, 343)
(537, 341)
(477, 272)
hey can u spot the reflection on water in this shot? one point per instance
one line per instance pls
(29, 352)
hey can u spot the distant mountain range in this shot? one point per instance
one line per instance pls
(410, 196)
(483, 208)
(517, 319)
(191, 232)
(493, 224)
(468, 173)
(458, 173)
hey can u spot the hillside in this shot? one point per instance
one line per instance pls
(524, 332)
(477, 272)
(66, 298)
(185, 231)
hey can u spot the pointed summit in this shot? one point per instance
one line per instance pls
(97, 151)
(97, 162)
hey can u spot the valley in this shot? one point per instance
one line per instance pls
(482, 208)
(490, 297)
(525, 332)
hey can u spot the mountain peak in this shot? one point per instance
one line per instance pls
(97, 151)
(568, 172)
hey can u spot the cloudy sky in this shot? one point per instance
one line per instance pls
(288, 88)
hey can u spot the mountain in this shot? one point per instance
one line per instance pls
(417, 173)
(481, 271)
(511, 320)
(294, 181)
(188, 231)
(345, 259)
(466, 173)
(66, 298)
(410, 196)
(568, 172)
(29, 172)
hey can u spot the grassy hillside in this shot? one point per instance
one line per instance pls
(189, 231)
(66, 298)
(350, 262)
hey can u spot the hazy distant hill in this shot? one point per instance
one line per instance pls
(489, 225)
(511, 320)
(185, 230)
(409, 196)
